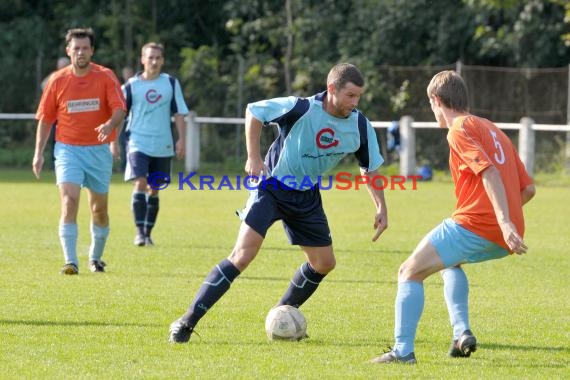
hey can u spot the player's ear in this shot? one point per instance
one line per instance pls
(436, 100)
(331, 88)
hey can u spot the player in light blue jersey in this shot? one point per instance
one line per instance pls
(152, 98)
(314, 134)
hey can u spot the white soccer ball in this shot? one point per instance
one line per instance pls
(285, 323)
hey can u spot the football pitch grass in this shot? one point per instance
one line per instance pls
(115, 325)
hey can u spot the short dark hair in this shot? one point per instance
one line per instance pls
(344, 73)
(79, 33)
(152, 45)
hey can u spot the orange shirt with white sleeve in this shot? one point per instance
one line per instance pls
(80, 104)
(476, 144)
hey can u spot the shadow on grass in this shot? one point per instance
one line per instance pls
(73, 323)
(346, 281)
(502, 347)
(292, 248)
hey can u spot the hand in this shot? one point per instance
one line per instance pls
(255, 167)
(115, 150)
(104, 131)
(380, 224)
(512, 238)
(37, 164)
(180, 149)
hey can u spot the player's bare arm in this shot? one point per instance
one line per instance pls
(254, 164)
(496, 193)
(107, 128)
(381, 217)
(42, 134)
(181, 142)
(528, 193)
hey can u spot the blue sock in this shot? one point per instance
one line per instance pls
(456, 293)
(409, 307)
(139, 210)
(98, 239)
(68, 239)
(213, 288)
(304, 283)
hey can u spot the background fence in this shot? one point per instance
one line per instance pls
(407, 154)
(504, 95)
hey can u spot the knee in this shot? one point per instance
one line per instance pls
(241, 258)
(99, 214)
(140, 184)
(405, 272)
(324, 266)
(69, 205)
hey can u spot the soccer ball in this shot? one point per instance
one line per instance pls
(285, 322)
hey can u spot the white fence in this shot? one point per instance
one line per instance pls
(526, 128)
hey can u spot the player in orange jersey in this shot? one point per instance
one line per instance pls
(491, 186)
(88, 104)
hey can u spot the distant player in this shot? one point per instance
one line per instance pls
(491, 186)
(315, 134)
(87, 102)
(152, 98)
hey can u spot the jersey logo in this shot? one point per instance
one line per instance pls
(325, 139)
(152, 96)
(83, 105)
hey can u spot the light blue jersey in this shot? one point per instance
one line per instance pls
(151, 103)
(311, 141)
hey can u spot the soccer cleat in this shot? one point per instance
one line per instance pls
(97, 266)
(391, 357)
(180, 332)
(69, 269)
(139, 240)
(464, 346)
(148, 241)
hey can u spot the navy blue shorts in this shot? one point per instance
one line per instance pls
(141, 165)
(301, 212)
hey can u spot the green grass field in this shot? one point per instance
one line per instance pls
(115, 325)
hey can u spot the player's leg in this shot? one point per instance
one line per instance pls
(69, 196)
(222, 275)
(456, 294)
(69, 178)
(98, 163)
(306, 225)
(98, 204)
(139, 208)
(409, 304)
(320, 261)
(252, 232)
(157, 165)
(137, 171)
(423, 262)
(217, 283)
(456, 244)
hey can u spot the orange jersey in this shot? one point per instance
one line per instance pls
(476, 144)
(80, 104)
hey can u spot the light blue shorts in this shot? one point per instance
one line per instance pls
(88, 166)
(456, 245)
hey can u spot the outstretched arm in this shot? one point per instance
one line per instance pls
(254, 164)
(381, 217)
(496, 192)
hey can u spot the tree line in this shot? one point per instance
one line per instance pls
(229, 52)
